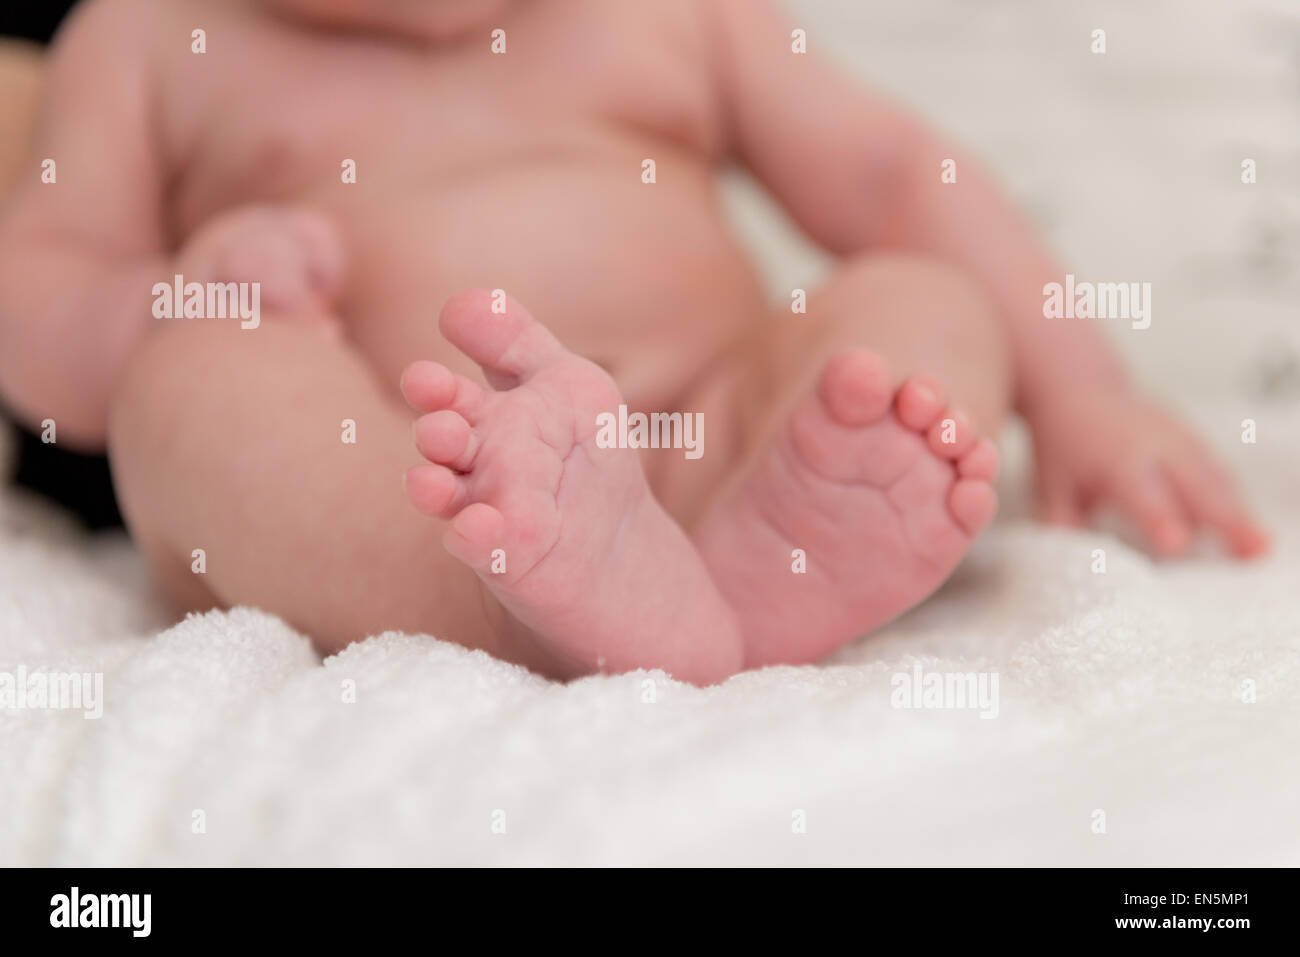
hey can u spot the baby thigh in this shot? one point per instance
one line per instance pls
(277, 453)
(924, 317)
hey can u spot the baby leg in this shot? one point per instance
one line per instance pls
(925, 318)
(560, 524)
(238, 443)
(861, 494)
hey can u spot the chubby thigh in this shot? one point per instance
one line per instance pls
(263, 467)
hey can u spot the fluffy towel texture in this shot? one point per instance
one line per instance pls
(1119, 691)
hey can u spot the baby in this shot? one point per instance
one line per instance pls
(544, 171)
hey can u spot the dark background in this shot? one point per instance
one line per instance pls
(33, 19)
(80, 482)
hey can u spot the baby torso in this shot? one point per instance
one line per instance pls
(568, 159)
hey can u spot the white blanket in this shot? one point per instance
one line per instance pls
(1145, 715)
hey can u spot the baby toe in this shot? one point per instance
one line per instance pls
(430, 386)
(981, 461)
(427, 386)
(952, 436)
(434, 490)
(855, 387)
(505, 340)
(919, 403)
(972, 503)
(446, 438)
(474, 534)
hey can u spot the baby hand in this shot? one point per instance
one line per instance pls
(1120, 449)
(295, 254)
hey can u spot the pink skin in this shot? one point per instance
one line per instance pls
(430, 19)
(861, 480)
(596, 572)
(1135, 458)
(295, 254)
(1122, 450)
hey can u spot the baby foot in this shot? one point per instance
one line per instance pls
(565, 534)
(879, 491)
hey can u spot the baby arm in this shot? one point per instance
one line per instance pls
(81, 253)
(858, 173)
(81, 239)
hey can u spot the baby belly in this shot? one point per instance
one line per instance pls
(644, 279)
